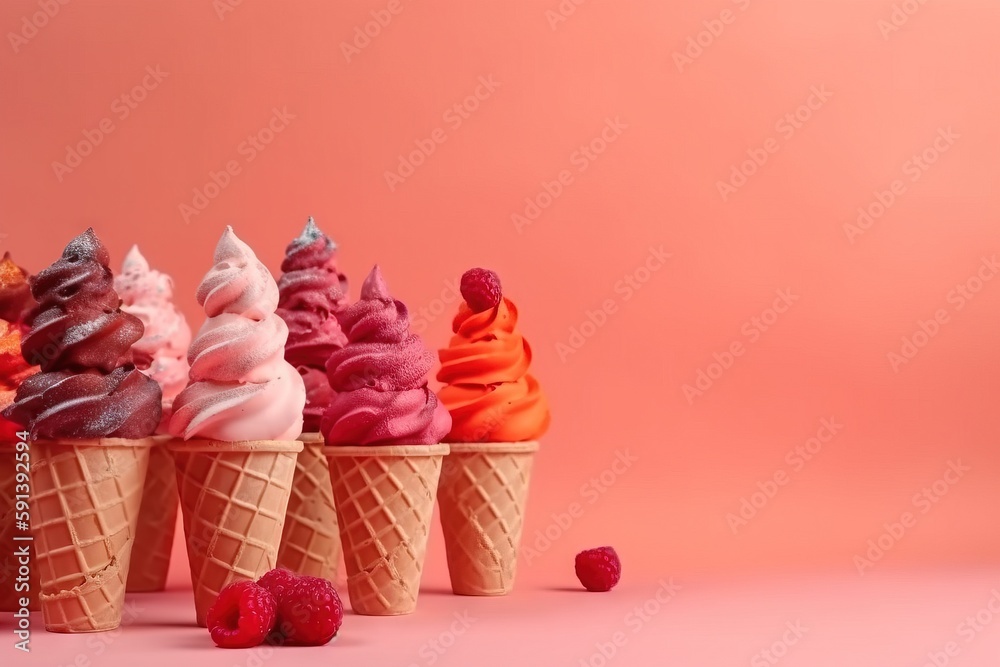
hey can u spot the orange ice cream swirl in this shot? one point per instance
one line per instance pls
(13, 370)
(489, 392)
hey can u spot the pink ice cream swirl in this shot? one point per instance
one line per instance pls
(241, 387)
(311, 293)
(148, 295)
(380, 377)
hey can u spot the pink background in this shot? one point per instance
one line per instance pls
(885, 96)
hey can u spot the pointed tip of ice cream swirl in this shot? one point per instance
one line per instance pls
(375, 286)
(138, 282)
(239, 283)
(87, 246)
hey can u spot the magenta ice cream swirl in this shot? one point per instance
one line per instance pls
(311, 292)
(148, 294)
(241, 387)
(379, 378)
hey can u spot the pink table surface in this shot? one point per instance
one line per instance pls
(884, 619)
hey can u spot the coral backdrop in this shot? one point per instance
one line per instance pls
(754, 244)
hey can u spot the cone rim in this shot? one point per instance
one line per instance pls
(205, 445)
(312, 438)
(102, 443)
(386, 451)
(519, 447)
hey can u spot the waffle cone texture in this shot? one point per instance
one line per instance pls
(154, 538)
(233, 499)
(385, 502)
(310, 542)
(483, 493)
(85, 499)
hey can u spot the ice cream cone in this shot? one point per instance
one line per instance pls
(233, 499)
(154, 538)
(483, 493)
(85, 497)
(310, 543)
(385, 502)
(10, 597)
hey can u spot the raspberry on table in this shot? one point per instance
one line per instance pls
(309, 611)
(481, 289)
(277, 581)
(242, 616)
(598, 569)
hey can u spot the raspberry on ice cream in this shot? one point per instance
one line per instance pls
(488, 390)
(481, 289)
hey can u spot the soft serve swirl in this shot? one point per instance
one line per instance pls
(241, 387)
(148, 295)
(82, 340)
(489, 392)
(380, 377)
(311, 292)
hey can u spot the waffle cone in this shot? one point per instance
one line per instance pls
(483, 493)
(85, 497)
(233, 499)
(154, 537)
(310, 543)
(10, 597)
(385, 502)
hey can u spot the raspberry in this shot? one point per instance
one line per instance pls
(598, 569)
(242, 616)
(481, 289)
(277, 582)
(309, 610)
